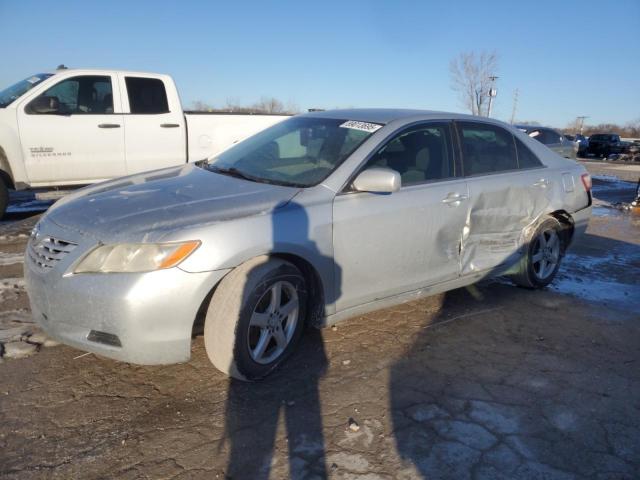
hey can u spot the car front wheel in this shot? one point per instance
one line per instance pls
(255, 318)
(541, 261)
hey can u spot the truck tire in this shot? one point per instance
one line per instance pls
(256, 318)
(541, 261)
(4, 197)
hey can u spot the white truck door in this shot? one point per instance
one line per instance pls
(70, 133)
(154, 123)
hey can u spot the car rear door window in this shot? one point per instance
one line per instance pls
(146, 95)
(486, 149)
(420, 154)
(526, 158)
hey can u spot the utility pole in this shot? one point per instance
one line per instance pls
(515, 105)
(581, 118)
(492, 93)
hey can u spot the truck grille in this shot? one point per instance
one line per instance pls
(46, 251)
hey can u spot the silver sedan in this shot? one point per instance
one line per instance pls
(319, 218)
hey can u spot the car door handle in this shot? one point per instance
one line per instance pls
(109, 125)
(169, 125)
(542, 183)
(454, 199)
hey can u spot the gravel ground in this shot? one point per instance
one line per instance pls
(490, 381)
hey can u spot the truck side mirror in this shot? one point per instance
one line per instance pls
(44, 105)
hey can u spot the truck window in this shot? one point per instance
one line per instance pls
(146, 95)
(87, 94)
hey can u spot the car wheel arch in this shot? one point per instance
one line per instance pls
(566, 221)
(315, 298)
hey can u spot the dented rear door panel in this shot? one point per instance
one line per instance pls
(500, 210)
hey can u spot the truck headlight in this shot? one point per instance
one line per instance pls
(135, 257)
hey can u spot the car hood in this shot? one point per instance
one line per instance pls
(145, 207)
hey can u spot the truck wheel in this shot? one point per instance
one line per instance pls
(4, 197)
(255, 318)
(541, 261)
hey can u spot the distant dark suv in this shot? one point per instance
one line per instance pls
(604, 144)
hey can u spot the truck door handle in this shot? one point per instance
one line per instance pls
(169, 125)
(454, 199)
(542, 183)
(109, 125)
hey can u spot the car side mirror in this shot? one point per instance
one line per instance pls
(45, 105)
(377, 180)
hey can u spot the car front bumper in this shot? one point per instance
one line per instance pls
(143, 318)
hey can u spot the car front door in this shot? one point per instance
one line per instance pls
(155, 125)
(387, 244)
(70, 133)
(508, 191)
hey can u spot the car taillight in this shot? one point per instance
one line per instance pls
(586, 181)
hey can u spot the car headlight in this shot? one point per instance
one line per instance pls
(135, 257)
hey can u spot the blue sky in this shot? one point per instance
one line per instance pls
(564, 57)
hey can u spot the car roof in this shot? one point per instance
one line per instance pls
(388, 115)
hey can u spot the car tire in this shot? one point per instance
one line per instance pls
(256, 318)
(541, 261)
(4, 197)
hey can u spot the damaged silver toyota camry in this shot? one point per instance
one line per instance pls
(321, 217)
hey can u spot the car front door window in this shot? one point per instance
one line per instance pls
(420, 154)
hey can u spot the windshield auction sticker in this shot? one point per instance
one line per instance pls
(364, 126)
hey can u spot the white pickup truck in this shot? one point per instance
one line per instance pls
(76, 127)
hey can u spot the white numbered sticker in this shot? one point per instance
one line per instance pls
(364, 126)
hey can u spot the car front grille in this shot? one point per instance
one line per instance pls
(46, 251)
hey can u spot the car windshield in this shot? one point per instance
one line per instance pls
(300, 151)
(16, 90)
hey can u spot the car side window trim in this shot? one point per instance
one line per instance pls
(346, 188)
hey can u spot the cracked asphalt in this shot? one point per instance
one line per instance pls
(487, 382)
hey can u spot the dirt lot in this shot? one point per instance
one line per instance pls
(489, 382)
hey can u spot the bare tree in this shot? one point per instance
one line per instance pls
(266, 105)
(269, 105)
(200, 106)
(471, 77)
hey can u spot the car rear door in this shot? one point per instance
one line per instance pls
(394, 243)
(72, 132)
(504, 196)
(154, 124)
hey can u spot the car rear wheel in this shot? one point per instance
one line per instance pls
(255, 318)
(540, 263)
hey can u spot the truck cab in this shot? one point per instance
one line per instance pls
(71, 126)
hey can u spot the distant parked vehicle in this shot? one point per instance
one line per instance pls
(582, 143)
(552, 139)
(605, 144)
